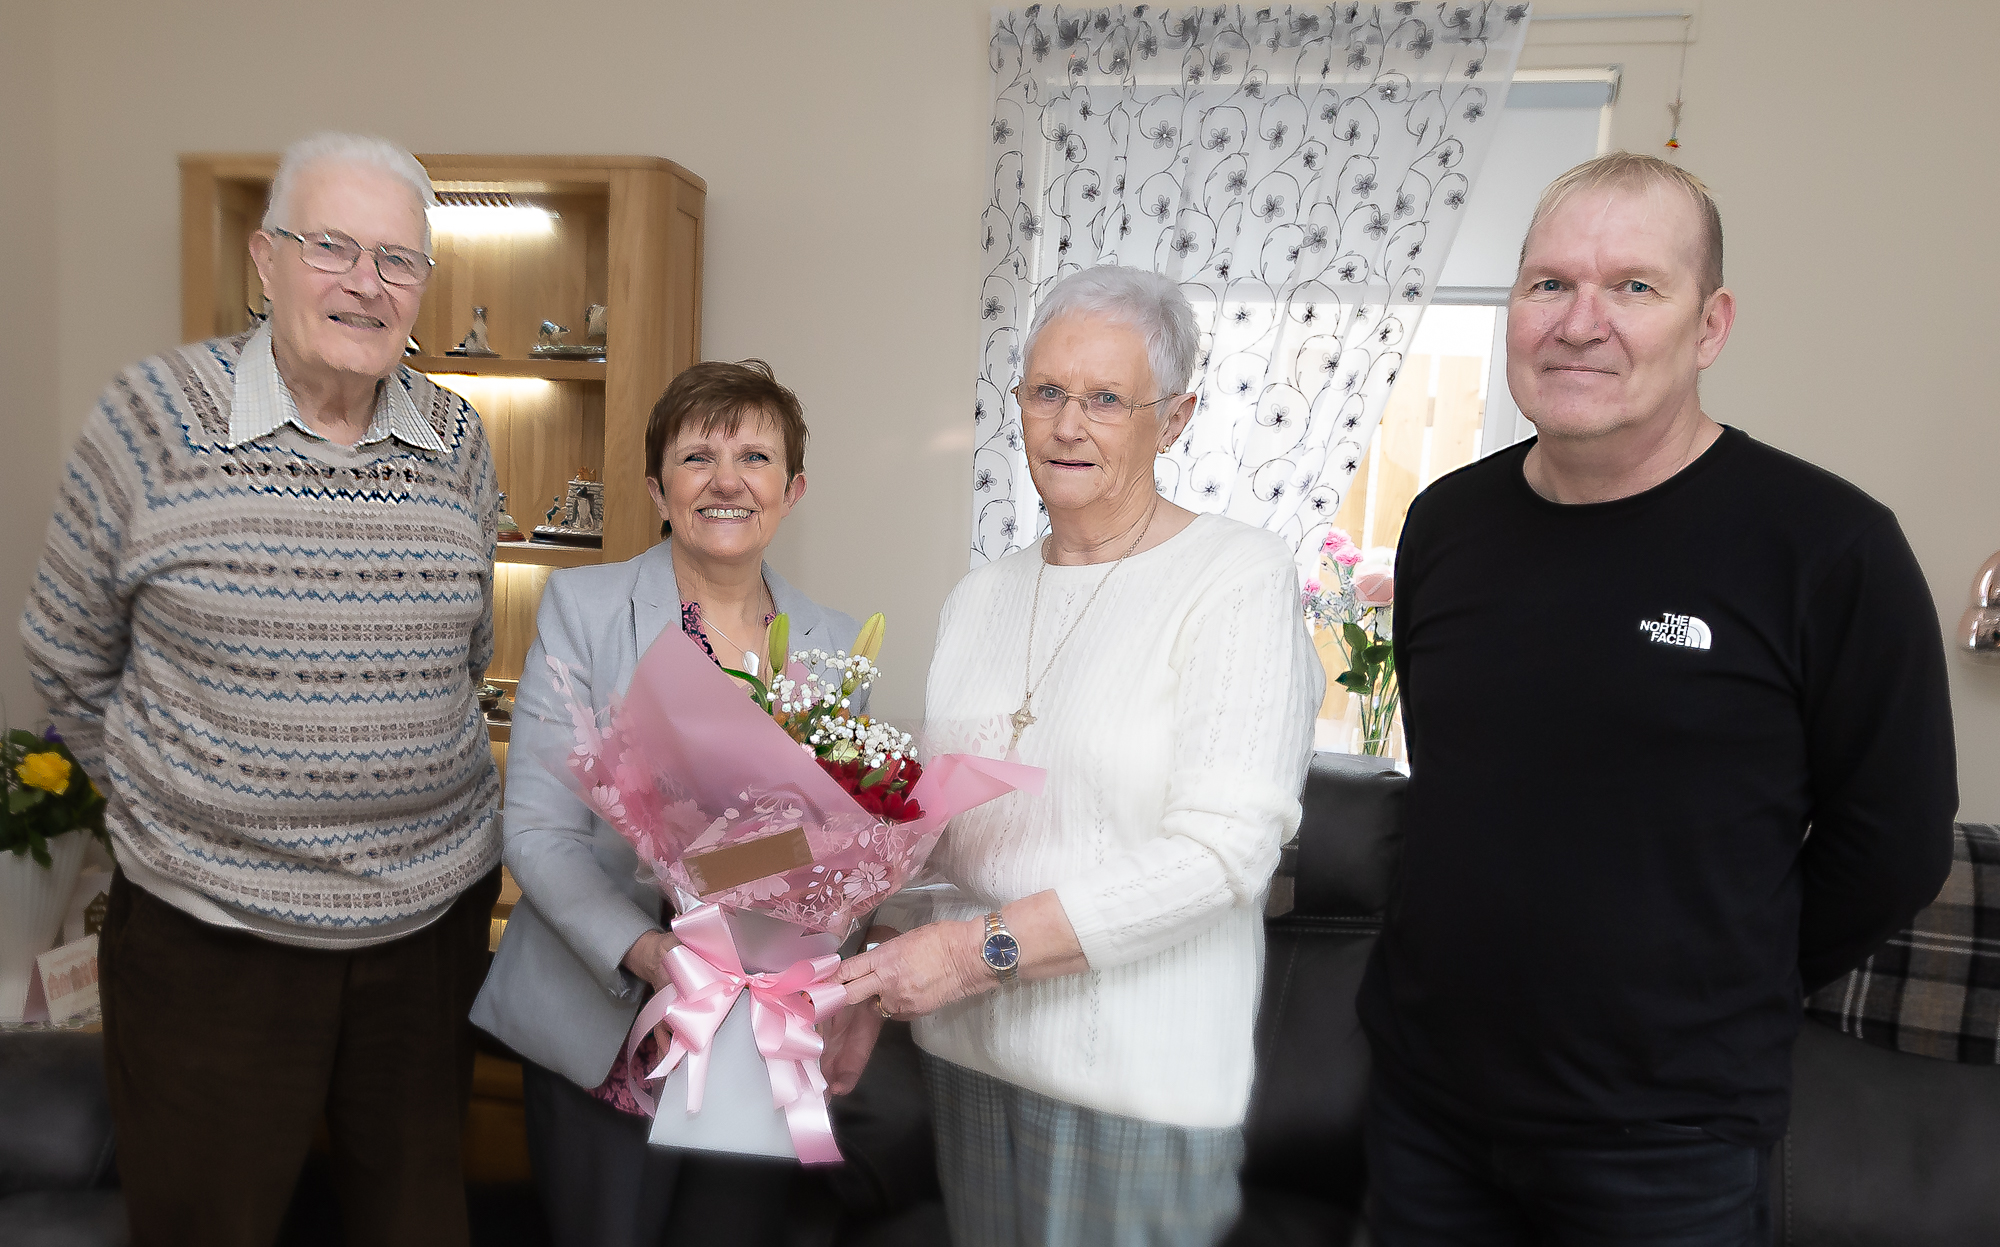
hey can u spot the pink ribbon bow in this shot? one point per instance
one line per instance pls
(708, 976)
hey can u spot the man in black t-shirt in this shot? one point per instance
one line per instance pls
(1680, 750)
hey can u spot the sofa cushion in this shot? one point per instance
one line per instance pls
(1887, 1149)
(1350, 837)
(55, 1117)
(64, 1219)
(1934, 988)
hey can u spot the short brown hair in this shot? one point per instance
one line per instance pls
(717, 396)
(1632, 171)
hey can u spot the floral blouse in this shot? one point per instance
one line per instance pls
(629, 1068)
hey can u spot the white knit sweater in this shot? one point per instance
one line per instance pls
(1176, 727)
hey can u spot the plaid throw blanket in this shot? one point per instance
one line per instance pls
(1934, 988)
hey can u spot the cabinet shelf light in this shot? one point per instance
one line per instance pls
(482, 214)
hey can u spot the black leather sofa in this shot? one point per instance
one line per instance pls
(1886, 1149)
(58, 1181)
(1303, 1174)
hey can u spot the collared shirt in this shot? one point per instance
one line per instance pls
(264, 403)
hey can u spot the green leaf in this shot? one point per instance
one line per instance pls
(759, 692)
(1357, 640)
(21, 800)
(874, 777)
(1353, 681)
(1378, 653)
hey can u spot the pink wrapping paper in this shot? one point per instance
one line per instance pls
(687, 763)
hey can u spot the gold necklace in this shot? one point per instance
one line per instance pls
(1024, 717)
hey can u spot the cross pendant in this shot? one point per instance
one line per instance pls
(1022, 720)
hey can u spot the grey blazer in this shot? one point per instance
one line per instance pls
(557, 993)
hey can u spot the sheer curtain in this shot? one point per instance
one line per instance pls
(1300, 170)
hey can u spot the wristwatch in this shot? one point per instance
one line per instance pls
(1000, 951)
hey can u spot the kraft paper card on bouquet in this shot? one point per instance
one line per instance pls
(773, 820)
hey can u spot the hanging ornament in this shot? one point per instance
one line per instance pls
(1674, 109)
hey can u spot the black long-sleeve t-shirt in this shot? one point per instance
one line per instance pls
(1676, 759)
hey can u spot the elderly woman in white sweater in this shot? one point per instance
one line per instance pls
(1085, 1000)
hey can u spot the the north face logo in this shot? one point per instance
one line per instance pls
(1671, 629)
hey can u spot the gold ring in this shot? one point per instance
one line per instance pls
(883, 1009)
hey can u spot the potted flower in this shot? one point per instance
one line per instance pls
(1354, 596)
(50, 813)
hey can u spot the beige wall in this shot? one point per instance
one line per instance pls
(843, 145)
(33, 428)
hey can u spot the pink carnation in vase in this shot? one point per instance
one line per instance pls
(1312, 586)
(1340, 547)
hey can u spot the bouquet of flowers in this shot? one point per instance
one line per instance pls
(1357, 606)
(47, 794)
(773, 818)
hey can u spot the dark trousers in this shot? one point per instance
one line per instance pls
(1433, 1182)
(224, 1051)
(603, 1185)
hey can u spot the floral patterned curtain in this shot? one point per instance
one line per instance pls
(1300, 170)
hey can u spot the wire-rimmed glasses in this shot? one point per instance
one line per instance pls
(1046, 402)
(331, 251)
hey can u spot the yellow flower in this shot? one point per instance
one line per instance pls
(48, 771)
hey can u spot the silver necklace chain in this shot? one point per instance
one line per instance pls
(1024, 717)
(706, 622)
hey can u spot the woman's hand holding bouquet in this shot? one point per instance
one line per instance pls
(773, 823)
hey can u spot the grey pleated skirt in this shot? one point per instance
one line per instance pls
(1020, 1169)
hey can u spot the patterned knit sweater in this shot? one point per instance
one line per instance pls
(268, 655)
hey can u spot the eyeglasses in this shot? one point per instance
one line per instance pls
(333, 252)
(1046, 402)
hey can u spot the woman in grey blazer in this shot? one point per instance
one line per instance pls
(582, 952)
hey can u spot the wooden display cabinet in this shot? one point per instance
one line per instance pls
(623, 231)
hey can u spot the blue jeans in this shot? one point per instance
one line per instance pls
(1435, 1182)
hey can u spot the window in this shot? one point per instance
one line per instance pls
(1434, 422)
(1450, 404)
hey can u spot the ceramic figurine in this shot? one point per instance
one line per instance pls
(582, 514)
(509, 530)
(475, 341)
(547, 347)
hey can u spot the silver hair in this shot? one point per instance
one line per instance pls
(332, 147)
(1145, 301)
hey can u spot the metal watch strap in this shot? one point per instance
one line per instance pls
(995, 925)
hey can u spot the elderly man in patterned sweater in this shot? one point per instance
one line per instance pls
(261, 621)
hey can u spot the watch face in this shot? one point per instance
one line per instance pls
(1000, 951)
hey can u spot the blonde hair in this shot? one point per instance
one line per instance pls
(1632, 171)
